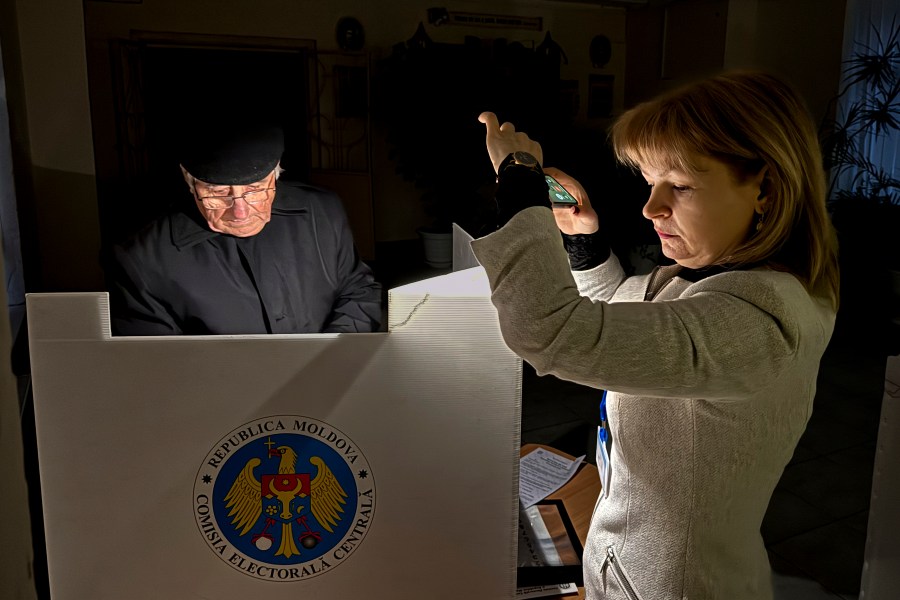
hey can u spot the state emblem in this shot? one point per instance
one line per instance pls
(284, 498)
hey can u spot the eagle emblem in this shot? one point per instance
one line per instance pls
(285, 498)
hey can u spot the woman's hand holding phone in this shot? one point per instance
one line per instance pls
(572, 220)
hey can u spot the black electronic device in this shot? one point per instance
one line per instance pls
(559, 196)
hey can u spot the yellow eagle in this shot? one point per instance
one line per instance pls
(245, 499)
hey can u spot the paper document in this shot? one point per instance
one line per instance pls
(541, 473)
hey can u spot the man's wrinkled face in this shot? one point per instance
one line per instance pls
(249, 213)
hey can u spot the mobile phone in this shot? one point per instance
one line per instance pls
(559, 197)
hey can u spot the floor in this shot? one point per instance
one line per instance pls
(815, 527)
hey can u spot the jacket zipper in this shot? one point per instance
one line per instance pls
(654, 287)
(618, 571)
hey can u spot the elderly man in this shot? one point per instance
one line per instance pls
(246, 254)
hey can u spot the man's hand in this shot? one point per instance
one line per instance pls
(503, 140)
(573, 220)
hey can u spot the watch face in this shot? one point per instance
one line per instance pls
(523, 158)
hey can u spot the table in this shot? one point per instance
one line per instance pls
(579, 496)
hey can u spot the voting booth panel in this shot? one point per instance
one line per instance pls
(281, 466)
(880, 576)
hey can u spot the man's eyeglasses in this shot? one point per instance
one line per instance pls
(253, 197)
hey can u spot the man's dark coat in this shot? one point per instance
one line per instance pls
(300, 274)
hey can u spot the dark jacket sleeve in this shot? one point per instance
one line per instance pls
(357, 304)
(133, 308)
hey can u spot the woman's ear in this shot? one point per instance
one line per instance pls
(764, 184)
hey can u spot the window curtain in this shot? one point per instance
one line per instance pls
(871, 25)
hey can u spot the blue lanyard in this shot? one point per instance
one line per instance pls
(603, 431)
(604, 448)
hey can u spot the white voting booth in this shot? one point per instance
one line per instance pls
(880, 576)
(378, 465)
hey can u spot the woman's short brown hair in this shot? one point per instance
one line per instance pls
(749, 120)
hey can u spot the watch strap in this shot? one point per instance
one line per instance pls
(519, 187)
(512, 160)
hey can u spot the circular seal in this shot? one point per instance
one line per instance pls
(284, 498)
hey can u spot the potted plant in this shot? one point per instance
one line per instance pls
(863, 194)
(429, 96)
(432, 135)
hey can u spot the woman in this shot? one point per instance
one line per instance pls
(710, 364)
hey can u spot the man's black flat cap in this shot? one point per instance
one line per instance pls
(232, 155)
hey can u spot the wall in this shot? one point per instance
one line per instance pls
(774, 35)
(397, 210)
(54, 79)
(799, 40)
(669, 43)
(55, 57)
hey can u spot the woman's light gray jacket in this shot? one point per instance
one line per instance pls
(710, 387)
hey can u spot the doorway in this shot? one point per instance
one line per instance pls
(164, 85)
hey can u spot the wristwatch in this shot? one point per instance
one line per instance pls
(521, 159)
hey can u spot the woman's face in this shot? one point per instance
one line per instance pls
(703, 217)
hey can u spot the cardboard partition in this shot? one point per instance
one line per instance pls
(463, 256)
(880, 576)
(379, 465)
